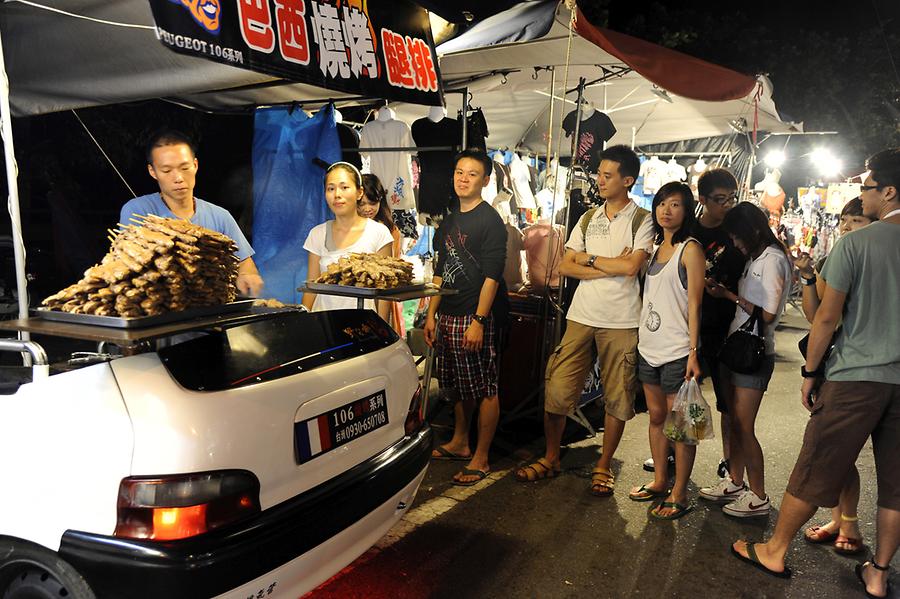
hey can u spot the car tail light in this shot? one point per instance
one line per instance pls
(414, 418)
(184, 505)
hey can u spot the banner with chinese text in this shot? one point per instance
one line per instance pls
(378, 49)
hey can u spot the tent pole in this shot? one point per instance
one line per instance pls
(465, 118)
(550, 120)
(12, 185)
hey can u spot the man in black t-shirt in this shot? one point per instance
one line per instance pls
(717, 190)
(471, 249)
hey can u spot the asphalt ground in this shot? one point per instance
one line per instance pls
(552, 538)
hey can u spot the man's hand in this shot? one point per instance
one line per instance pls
(249, 284)
(625, 251)
(429, 330)
(804, 264)
(474, 337)
(715, 289)
(808, 392)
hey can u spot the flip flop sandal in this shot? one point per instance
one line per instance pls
(752, 559)
(859, 575)
(680, 510)
(856, 544)
(602, 482)
(647, 494)
(537, 470)
(481, 474)
(817, 535)
(447, 455)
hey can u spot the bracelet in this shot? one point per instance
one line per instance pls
(694, 349)
(810, 281)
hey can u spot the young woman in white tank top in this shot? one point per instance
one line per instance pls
(668, 339)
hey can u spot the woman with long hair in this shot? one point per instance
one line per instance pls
(765, 284)
(347, 233)
(669, 338)
(843, 529)
(374, 205)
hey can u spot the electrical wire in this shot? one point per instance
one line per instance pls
(105, 155)
(86, 18)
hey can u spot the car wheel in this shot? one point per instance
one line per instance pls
(29, 571)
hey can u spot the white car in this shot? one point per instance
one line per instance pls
(253, 461)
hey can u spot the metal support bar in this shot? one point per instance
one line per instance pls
(40, 366)
(403, 149)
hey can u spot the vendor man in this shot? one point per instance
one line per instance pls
(171, 160)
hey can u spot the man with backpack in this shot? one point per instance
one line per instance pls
(606, 252)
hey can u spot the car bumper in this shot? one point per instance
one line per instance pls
(223, 560)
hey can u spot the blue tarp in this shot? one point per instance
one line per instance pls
(290, 152)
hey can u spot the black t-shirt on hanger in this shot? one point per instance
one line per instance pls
(348, 139)
(436, 166)
(592, 133)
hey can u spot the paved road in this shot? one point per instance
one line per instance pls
(554, 539)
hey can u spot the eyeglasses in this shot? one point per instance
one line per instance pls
(863, 188)
(725, 200)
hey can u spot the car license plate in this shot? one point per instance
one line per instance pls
(320, 434)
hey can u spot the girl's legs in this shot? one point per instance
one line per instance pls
(659, 445)
(743, 438)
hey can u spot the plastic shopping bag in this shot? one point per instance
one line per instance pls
(690, 420)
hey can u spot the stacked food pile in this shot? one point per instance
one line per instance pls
(158, 265)
(368, 270)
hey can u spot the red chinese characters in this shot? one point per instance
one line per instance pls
(409, 62)
(294, 43)
(256, 24)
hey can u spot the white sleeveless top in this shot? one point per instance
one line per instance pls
(663, 335)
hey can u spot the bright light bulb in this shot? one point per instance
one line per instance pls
(775, 158)
(826, 162)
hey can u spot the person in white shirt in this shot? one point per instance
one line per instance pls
(766, 284)
(669, 339)
(348, 233)
(604, 314)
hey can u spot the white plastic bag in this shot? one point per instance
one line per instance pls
(690, 420)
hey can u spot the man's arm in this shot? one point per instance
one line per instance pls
(827, 318)
(622, 266)
(574, 265)
(248, 280)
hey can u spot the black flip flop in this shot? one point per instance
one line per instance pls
(447, 455)
(481, 474)
(859, 571)
(752, 559)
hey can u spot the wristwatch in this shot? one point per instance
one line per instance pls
(817, 373)
(590, 262)
(809, 281)
(479, 319)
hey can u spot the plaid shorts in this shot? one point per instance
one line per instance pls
(472, 375)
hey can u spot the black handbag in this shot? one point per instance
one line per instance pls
(803, 343)
(743, 351)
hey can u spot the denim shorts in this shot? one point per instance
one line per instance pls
(669, 376)
(758, 380)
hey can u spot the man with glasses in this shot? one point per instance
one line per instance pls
(860, 396)
(717, 191)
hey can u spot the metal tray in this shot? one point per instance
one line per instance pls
(119, 322)
(362, 291)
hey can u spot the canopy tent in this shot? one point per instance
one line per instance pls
(652, 94)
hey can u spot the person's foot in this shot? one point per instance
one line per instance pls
(724, 490)
(770, 562)
(822, 534)
(472, 473)
(670, 507)
(449, 451)
(748, 505)
(874, 579)
(849, 540)
(722, 468)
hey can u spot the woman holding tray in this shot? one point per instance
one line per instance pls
(348, 233)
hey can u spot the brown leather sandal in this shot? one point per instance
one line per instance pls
(603, 482)
(540, 469)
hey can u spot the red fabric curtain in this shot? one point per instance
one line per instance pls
(673, 71)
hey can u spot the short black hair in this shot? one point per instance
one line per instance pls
(717, 178)
(885, 168)
(687, 198)
(629, 163)
(476, 154)
(168, 137)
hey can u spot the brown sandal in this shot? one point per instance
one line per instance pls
(540, 469)
(602, 482)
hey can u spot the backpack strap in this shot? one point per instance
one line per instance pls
(586, 220)
(637, 219)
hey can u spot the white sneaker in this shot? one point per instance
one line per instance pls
(725, 490)
(747, 506)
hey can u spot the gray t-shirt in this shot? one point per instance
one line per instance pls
(865, 264)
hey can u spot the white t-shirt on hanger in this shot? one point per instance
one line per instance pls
(392, 168)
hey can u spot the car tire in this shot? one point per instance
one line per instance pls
(29, 571)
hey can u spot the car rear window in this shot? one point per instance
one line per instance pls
(264, 350)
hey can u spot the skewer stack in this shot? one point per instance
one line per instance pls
(368, 270)
(155, 266)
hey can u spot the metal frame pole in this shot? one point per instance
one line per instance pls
(13, 201)
(465, 118)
